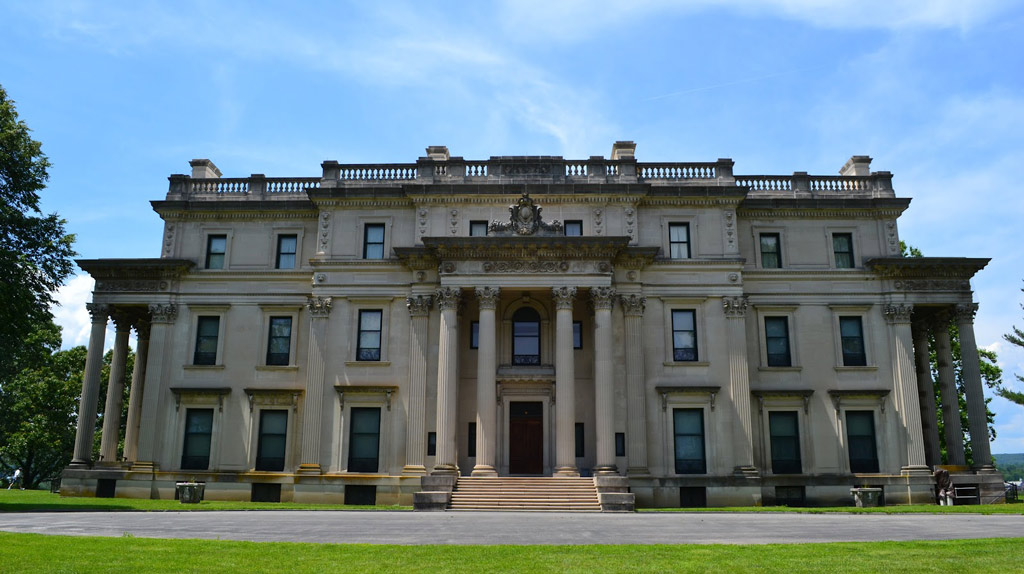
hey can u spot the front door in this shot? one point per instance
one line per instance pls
(526, 438)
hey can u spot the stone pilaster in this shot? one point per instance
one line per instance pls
(977, 413)
(90, 386)
(952, 432)
(162, 317)
(135, 394)
(313, 399)
(735, 309)
(926, 394)
(633, 306)
(415, 431)
(565, 384)
(486, 391)
(604, 389)
(446, 461)
(115, 389)
(908, 404)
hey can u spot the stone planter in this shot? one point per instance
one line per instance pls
(190, 492)
(866, 497)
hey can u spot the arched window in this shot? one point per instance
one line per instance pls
(526, 337)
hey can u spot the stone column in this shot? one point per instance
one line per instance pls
(486, 392)
(313, 399)
(926, 394)
(162, 317)
(131, 430)
(565, 384)
(735, 309)
(90, 386)
(905, 384)
(604, 387)
(636, 398)
(419, 344)
(115, 389)
(446, 461)
(953, 434)
(977, 413)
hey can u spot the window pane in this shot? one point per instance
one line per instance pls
(682, 320)
(369, 320)
(199, 421)
(679, 232)
(364, 441)
(474, 335)
(477, 228)
(527, 346)
(850, 327)
(216, 247)
(208, 326)
(689, 421)
(274, 421)
(689, 441)
(770, 256)
(574, 228)
(287, 244)
(280, 326)
(776, 327)
(577, 335)
(375, 233)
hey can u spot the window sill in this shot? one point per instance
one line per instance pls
(864, 369)
(687, 364)
(367, 363)
(768, 369)
(277, 367)
(204, 367)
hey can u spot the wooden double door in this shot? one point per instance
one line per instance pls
(526, 438)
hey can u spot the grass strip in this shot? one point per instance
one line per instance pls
(42, 501)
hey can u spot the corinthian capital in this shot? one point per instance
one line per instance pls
(735, 307)
(564, 297)
(448, 297)
(98, 311)
(487, 297)
(319, 307)
(602, 297)
(964, 312)
(898, 313)
(419, 305)
(633, 304)
(163, 312)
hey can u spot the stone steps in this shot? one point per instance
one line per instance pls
(525, 494)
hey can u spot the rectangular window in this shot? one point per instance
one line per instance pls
(431, 444)
(577, 334)
(776, 338)
(474, 334)
(279, 341)
(684, 335)
(207, 331)
(842, 247)
(679, 240)
(477, 228)
(272, 440)
(216, 247)
(689, 441)
(364, 441)
(373, 241)
(579, 440)
(785, 439)
(369, 335)
(860, 436)
(851, 334)
(620, 444)
(287, 245)
(195, 452)
(471, 440)
(574, 228)
(771, 256)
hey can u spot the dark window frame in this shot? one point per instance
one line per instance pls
(844, 259)
(580, 440)
(782, 442)
(363, 463)
(211, 254)
(775, 341)
(278, 358)
(853, 347)
(766, 255)
(576, 225)
(620, 444)
(471, 440)
(281, 253)
(369, 353)
(477, 224)
(474, 334)
(271, 463)
(690, 465)
(679, 353)
(196, 462)
(523, 358)
(681, 243)
(867, 443)
(367, 244)
(577, 334)
(204, 340)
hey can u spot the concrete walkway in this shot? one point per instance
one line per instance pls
(378, 527)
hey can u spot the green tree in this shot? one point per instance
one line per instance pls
(35, 251)
(1015, 338)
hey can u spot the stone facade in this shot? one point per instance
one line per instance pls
(714, 338)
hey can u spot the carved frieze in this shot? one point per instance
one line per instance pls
(898, 313)
(163, 312)
(734, 307)
(319, 307)
(487, 297)
(525, 266)
(564, 297)
(602, 297)
(419, 305)
(932, 285)
(122, 285)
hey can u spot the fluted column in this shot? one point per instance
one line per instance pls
(115, 389)
(735, 309)
(313, 398)
(604, 389)
(977, 412)
(446, 461)
(162, 317)
(953, 434)
(135, 393)
(926, 394)
(415, 429)
(636, 401)
(486, 393)
(90, 385)
(565, 384)
(905, 384)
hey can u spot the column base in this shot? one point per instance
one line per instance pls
(916, 470)
(445, 470)
(309, 468)
(638, 471)
(80, 464)
(567, 471)
(414, 470)
(484, 470)
(746, 472)
(985, 469)
(605, 470)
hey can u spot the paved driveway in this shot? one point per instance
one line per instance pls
(378, 527)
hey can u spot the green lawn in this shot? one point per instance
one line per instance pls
(39, 500)
(41, 553)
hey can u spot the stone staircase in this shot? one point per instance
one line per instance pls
(512, 493)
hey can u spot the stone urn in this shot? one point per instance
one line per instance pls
(190, 492)
(865, 497)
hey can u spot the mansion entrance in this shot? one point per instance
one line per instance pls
(526, 438)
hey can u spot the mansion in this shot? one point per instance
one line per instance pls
(387, 333)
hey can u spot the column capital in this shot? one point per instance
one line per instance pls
(163, 312)
(898, 313)
(735, 307)
(419, 305)
(564, 297)
(964, 312)
(99, 312)
(633, 304)
(487, 297)
(448, 298)
(602, 297)
(122, 320)
(142, 326)
(319, 307)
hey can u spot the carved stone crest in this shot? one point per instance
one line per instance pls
(525, 219)
(319, 306)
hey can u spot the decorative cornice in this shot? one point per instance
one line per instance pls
(633, 304)
(735, 307)
(319, 307)
(964, 312)
(877, 394)
(636, 258)
(897, 313)
(927, 273)
(99, 312)
(163, 312)
(487, 297)
(602, 297)
(666, 390)
(121, 275)
(419, 305)
(448, 298)
(564, 297)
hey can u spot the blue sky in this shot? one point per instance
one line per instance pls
(123, 94)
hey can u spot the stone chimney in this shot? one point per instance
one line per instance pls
(623, 150)
(438, 152)
(204, 169)
(857, 165)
